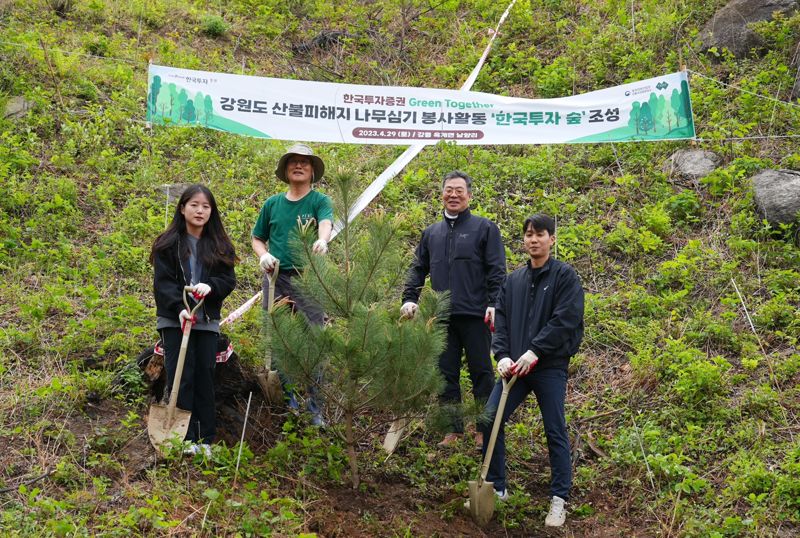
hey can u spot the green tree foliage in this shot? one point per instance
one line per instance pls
(372, 363)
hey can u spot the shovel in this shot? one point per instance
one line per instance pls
(395, 433)
(166, 422)
(268, 379)
(481, 492)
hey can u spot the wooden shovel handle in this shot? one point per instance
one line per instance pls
(176, 382)
(498, 419)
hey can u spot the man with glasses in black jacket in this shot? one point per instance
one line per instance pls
(462, 253)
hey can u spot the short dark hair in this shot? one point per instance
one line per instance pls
(458, 173)
(540, 222)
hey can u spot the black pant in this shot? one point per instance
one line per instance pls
(285, 288)
(470, 335)
(196, 393)
(550, 388)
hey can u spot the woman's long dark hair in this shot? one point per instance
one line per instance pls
(214, 248)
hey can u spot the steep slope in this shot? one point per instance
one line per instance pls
(684, 419)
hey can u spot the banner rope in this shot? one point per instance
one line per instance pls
(754, 94)
(760, 96)
(740, 138)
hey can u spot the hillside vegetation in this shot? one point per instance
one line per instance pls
(683, 418)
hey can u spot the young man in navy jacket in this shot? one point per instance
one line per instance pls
(539, 327)
(462, 253)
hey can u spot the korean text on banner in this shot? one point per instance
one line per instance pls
(653, 109)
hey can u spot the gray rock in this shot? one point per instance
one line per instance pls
(777, 195)
(172, 192)
(729, 27)
(16, 107)
(691, 164)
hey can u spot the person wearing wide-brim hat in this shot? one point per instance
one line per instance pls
(278, 224)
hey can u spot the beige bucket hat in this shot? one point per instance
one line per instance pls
(300, 149)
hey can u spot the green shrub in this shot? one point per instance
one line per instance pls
(99, 46)
(626, 240)
(656, 219)
(787, 488)
(214, 26)
(684, 207)
(702, 381)
(761, 402)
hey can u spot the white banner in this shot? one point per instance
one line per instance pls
(653, 109)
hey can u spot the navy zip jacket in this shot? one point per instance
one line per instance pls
(466, 258)
(549, 322)
(171, 274)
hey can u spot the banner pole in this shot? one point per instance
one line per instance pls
(397, 166)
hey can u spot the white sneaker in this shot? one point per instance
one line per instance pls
(558, 513)
(201, 448)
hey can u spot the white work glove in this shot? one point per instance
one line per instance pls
(525, 363)
(201, 290)
(267, 262)
(320, 247)
(409, 309)
(488, 318)
(504, 367)
(185, 316)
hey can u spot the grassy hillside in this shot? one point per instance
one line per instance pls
(684, 421)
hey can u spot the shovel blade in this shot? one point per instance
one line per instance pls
(270, 383)
(395, 434)
(481, 501)
(160, 429)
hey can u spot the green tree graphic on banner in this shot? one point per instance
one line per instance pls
(655, 118)
(646, 118)
(633, 122)
(173, 104)
(155, 87)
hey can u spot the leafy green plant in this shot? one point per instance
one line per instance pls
(214, 26)
(684, 207)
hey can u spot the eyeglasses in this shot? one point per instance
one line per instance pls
(457, 190)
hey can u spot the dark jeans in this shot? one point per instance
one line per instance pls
(550, 388)
(470, 335)
(284, 287)
(196, 393)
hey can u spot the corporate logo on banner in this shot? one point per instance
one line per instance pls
(654, 109)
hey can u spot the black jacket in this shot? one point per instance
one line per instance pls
(467, 258)
(171, 274)
(550, 325)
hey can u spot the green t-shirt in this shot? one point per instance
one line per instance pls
(278, 223)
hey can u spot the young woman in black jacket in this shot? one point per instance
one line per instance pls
(193, 251)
